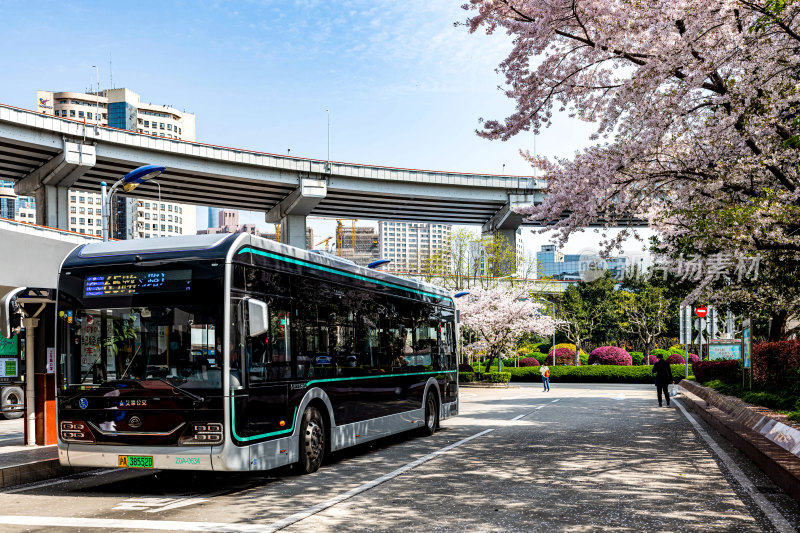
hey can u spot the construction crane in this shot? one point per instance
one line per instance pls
(326, 240)
(340, 236)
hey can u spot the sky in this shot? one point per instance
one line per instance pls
(402, 84)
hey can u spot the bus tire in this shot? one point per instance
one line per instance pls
(11, 397)
(312, 441)
(431, 415)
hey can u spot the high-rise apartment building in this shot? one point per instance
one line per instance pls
(409, 244)
(131, 218)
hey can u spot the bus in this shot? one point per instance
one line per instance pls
(237, 353)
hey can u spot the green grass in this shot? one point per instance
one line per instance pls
(781, 401)
(594, 374)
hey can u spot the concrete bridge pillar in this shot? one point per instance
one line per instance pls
(50, 183)
(291, 212)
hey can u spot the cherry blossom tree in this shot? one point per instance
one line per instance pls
(500, 317)
(697, 107)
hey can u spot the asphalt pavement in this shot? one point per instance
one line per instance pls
(579, 458)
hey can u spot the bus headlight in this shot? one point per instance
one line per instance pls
(202, 433)
(75, 431)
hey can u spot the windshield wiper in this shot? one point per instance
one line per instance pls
(185, 392)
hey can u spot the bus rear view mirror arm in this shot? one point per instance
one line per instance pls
(258, 319)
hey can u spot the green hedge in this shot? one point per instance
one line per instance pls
(594, 374)
(497, 377)
(466, 377)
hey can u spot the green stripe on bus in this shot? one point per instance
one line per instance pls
(339, 272)
(263, 435)
(378, 376)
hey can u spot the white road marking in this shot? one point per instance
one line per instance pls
(151, 504)
(554, 401)
(778, 521)
(169, 525)
(620, 397)
(131, 525)
(539, 407)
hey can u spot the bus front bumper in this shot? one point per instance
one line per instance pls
(136, 457)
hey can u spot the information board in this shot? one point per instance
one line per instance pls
(746, 344)
(130, 283)
(721, 349)
(9, 346)
(9, 367)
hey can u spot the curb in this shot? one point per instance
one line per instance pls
(32, 472)
(731, 418)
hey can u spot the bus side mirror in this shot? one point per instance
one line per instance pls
(257, 317)
(10, 318)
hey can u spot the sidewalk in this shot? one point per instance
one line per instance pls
(25, 464)
(767, 442)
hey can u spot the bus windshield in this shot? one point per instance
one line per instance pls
(178, 344)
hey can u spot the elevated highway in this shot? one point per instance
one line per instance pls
(47, 155)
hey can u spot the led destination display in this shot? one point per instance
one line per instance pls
(130, 283)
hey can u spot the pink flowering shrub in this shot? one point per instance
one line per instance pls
(676, 359)
(529, 361)
(693, 358)
(610, 355)
(652, 360)
(564, 356)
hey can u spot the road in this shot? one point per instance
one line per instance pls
(580, 458)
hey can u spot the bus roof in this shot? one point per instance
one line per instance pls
(222, 247)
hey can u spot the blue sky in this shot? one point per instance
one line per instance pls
(404, 86)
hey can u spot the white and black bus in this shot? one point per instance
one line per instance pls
(233, 352)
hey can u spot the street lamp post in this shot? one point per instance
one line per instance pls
(129, 182)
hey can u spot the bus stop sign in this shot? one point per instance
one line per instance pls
(701, 311)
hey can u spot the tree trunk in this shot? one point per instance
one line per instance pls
(578, 353)
(777, 325)
(488, 367)
(647, 347)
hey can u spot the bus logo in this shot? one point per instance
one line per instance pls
(83, 403)
(135, 422)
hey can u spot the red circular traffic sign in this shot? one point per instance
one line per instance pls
(701, 311)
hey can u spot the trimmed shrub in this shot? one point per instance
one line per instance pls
(636, 357)
(466, 377)
(563, 345)
(529, 361)
(678, 350)
(610, 355)
(564, 356)
(544, 347)
(770, 400)
(676, 359)
(595, 374)
(725, 371)
(464, 367)
(776, 362)
(584, 359)
(652, 359)
(539, 356)
(693, 358)
(497, 377)
(657, 351)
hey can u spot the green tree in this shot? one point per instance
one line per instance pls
(643, 314)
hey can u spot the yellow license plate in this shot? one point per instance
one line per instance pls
(135, 461)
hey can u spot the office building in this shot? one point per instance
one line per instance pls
(228, 222)
(8, 200)
(131, 218)
(118, 108)
(410, 244)
(550, 263)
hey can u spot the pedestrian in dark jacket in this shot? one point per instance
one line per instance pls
(663, 374)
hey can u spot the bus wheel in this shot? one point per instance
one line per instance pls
(12, 397)
(431, 415)
(312, 441)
